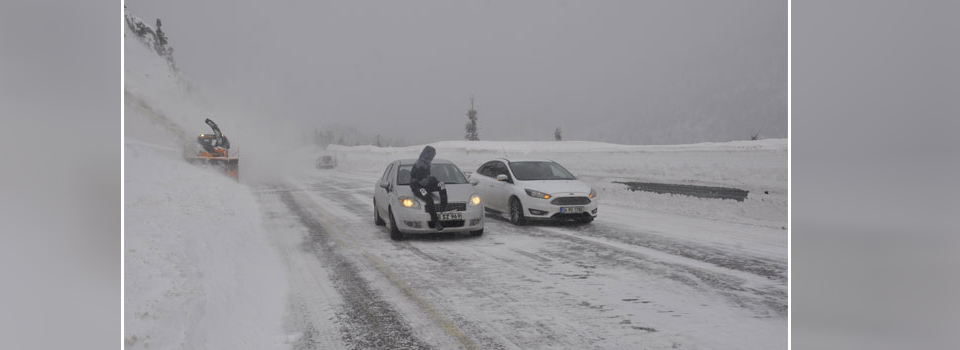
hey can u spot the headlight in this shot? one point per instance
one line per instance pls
(474, 200)
(409, 202)
(537, 194)
(593, 193)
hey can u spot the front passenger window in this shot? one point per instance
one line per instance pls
(386, 172)
(500, 168)
(486, 170)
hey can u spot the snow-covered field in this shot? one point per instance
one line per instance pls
(756, 166)
(291, 258)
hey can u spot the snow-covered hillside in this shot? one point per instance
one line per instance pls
(199, 271)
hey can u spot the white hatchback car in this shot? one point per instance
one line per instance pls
(534, 190)
(394, 202)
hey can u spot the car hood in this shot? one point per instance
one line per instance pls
(455, 193)
(557, 187)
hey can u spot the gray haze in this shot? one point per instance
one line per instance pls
(619, 71)
(60, 210)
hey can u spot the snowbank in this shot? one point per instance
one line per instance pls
(200, 272)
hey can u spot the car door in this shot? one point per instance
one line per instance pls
(380, 194)
(484, 176)
(500, 190)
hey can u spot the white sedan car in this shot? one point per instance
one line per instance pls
(534, 190)
(395, 204)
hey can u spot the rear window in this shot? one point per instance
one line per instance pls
(447, 173)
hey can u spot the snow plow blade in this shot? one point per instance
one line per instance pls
(227, 165)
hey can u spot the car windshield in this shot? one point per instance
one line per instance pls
(447, 173)
(527, 171)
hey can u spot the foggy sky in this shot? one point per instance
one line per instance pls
(618, 71)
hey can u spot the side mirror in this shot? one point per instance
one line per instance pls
(474, 182)
(385, 185)
(502, 177)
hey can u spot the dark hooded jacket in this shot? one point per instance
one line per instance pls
(421, 169)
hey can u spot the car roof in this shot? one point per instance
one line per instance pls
(526, 160)
(436, 161)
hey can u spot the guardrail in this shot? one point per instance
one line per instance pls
(689, 190)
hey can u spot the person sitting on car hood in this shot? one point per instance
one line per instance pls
(423, 184)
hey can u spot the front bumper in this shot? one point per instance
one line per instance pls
(541, 209)
(417, 221)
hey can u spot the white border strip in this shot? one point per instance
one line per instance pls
(789, 172)
(122, 175)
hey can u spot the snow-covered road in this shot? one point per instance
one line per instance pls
(632, 279)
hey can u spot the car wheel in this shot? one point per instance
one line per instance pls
(377, 220)
(477, 233)
(395, 233)
(516, 212)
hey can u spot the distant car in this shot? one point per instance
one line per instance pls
(395, 205)
(534, 190)
(326, 162)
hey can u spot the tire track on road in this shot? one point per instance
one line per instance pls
(348, 243)
(369, 322)
(454, 266)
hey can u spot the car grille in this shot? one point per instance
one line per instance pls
(559, 216)
(447, 224)
(453, 207)
(571, 201)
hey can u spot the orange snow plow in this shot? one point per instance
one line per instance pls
(214, 149)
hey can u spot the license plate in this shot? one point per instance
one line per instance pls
(451, 216)
(571, 210)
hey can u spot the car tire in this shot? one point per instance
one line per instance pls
(476, 233)
(377, 220)
(395, 233)
(516, 212)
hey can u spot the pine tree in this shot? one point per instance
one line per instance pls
(378, 141)
(161, 44)
(557, 135)
(471, 126)
(164, 50)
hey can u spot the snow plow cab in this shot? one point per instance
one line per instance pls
(214, 149)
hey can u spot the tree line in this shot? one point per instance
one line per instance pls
(153, 38)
